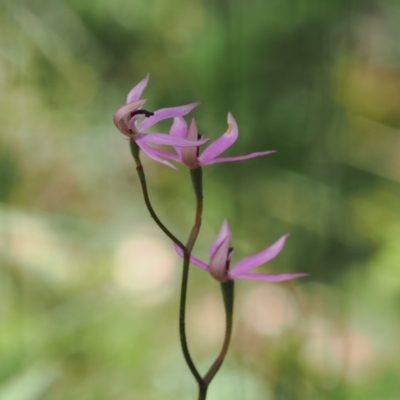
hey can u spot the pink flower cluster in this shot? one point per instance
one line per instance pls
(186, 143)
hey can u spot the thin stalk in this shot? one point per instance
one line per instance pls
(228, 296)
(186, 250)
(203, 391)
(143, 184)
(196, 175)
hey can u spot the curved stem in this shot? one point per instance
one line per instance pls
(228, 295)
(197, 184)
(196, 175)
(142, 178)
(182, 320)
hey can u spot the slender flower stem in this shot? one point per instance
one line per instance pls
(197, 182)
(227, 287)
(182, 320)
(203, 391)
(186, 249)
(142, 178)
(228, 296)
(196, 175)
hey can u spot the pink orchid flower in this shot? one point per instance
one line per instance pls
(190, 155)
(220, 257)
(126, 119)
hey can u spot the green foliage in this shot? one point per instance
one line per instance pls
(84, 313)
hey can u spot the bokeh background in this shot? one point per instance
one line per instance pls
(89, 286)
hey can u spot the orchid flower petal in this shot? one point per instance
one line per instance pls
(166, 140)
(165, 113)
(149, 151)
(221, 144)
(237, 158)
(123, 115)
(193, 260)
(259, 259)
(166, 154)
(267, 277)
(178, 129)
(136, 92)
(224, 232)
(220, 255)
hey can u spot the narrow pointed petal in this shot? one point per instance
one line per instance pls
(189, 154)
(193, 260)
(166, 140)
(266, 277)
(149, 151)
(237, 158)
(221, 144)
(137, 91)
(165, 113)
(224, 232)
(260, 258)
(123, 115)
(166, 154)
(178, 129)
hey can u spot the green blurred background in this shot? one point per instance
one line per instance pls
(89, 287)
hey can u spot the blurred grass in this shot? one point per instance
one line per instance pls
(88, 287)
